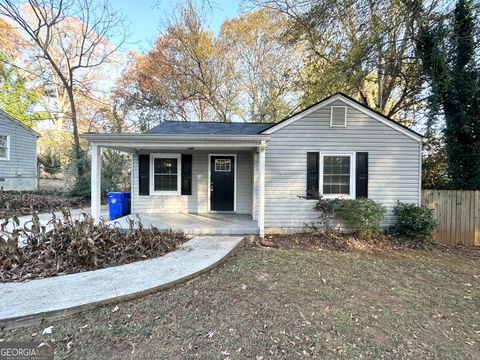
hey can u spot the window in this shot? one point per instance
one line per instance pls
(223, 165)
(337, 179)
(4, 147)
(165, 174)
(338, 116)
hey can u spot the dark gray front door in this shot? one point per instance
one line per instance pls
(222, 183)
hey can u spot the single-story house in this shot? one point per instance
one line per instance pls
(18, 155)
(337, 147)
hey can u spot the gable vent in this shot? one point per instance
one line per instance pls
(338, 116)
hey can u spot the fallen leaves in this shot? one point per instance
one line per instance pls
(47, 330)
(76, 245)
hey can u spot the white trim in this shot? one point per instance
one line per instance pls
(96, 178)
(7, 158)
(331, 116)
(352, 175)
(347, 101)
(134, 157)
(261, 190)
(234, 181)
(420, 155)
(154, 156)
(254, 185)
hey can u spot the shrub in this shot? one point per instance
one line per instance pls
(326, 208)
(365, 215)
(51, 162)
(414, 222)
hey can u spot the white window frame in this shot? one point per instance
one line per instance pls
(7, 158)
(331, 116)
(229, 166)
(352, 175)
(152, 173)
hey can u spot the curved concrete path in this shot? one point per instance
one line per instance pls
(74, 292)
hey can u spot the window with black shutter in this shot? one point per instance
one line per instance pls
(312, 174)
(144, 174)
(361, 179)
(186, 174)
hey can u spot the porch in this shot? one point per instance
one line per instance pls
(196, 224)
(206, 184)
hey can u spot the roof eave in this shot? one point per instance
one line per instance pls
(96, 137)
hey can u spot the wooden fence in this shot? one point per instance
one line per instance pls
(458, 215)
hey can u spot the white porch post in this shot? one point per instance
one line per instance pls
(261, 190)
(95, 182)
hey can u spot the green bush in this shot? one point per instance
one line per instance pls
(365, 215)
(50, 161)
(414, 222)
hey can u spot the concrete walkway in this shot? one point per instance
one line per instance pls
(76, 292)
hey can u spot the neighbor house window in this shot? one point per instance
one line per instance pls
(337, 176)
(165, 174)
(4, 147)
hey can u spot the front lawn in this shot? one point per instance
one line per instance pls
(287, 304)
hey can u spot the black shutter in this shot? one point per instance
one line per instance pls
(144, 174)
(361, 178)
(313, 174)
(187, 174)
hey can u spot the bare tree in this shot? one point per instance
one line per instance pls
(365, 48)
(72, 37)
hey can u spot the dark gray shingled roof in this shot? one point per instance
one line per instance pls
(195, 127)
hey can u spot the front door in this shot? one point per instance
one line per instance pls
(222, 183)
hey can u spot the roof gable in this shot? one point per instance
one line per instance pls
(351, 102)
(4, 115)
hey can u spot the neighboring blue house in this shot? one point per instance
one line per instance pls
(18, 155)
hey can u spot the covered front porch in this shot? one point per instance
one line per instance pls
(196, 224)
(195, 194)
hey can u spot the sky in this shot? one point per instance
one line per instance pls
(144, 17)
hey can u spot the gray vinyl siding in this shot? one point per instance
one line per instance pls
(20, 171)
(393, 171)
(198, 201)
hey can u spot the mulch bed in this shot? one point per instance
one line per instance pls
(332, 240)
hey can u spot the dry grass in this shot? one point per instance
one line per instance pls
(289, 304)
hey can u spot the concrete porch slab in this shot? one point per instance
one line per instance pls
(196, 224)
(67, 294)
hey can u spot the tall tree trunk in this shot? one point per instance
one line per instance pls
(76, 137)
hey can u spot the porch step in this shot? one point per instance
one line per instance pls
(197, 224)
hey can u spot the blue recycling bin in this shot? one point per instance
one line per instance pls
(118, 204)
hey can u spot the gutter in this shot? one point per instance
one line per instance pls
(155, 138)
